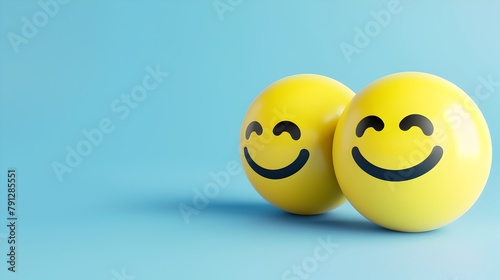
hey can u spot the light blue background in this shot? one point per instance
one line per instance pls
(117, 212)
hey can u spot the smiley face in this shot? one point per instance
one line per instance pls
(397, 175)
(412, 152)
(286, 143)
(283, 172)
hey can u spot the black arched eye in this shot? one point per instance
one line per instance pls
(369, 121)
(289, 127)
(253, 126)
(417, 120)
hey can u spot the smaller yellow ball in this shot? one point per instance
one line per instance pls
(286, 143)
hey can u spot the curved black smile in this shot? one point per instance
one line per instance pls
(281, 173)
(401, 174)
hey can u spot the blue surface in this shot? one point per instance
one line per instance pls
(116, 215)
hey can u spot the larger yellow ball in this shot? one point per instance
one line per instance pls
(412, 152)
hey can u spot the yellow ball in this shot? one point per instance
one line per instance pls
(412, 152)
(286, 143)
